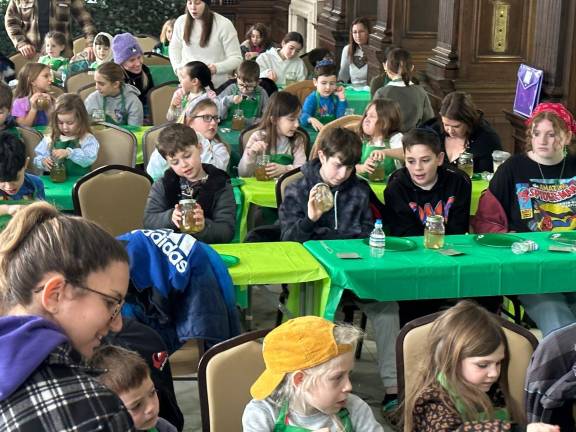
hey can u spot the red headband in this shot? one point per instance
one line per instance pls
(558, 109)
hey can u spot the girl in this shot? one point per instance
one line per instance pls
(63, 280)
(281, 63)
(70, 139)
(306, 385)
(102, 49)
(195, 84)
(277, 134)
(165, 36)
(382, 140)
(463, 383)
(413, 100)
(203, 35)
(533, 192)
(354, 63)
(204, 119)
(54, 46)
(117, 101)
(32, 102)
(257, 41)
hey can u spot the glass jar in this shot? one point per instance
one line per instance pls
(498, 158)
(262, 160)
(434, 232)
(291, 78)
(98, 115)
(466, 163)
(379, 173)
(238, 120)
(188, 224)
(42, 103)
(58, 171)
(323, 196)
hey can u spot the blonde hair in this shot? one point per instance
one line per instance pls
(26, 77)
(167, 25)
(69, 103)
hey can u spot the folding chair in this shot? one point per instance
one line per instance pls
(31, 138)
(159, 98)
(78, 45)
(149, 141)
(77, 81)
(117, 145)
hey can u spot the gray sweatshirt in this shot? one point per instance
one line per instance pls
(131, 110)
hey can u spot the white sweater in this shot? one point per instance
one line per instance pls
(349, 71)
(222, 49)
(271, 60)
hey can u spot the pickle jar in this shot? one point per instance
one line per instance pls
(58, 171)
(466, 163)
(238, 120)
(42, 103)
(434, 232)
(323, 197)
(262, 161)
(188, 224)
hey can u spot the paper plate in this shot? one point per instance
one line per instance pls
(566, 237)
(397, 244)
(230, 260)
(497, 240)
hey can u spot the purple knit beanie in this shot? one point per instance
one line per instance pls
(124, 46)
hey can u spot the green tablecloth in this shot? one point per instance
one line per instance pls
(60, 194)
(138, 131)
(358, 98)
(425, 274)
(162, 74)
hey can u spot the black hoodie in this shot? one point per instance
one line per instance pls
(408, 205)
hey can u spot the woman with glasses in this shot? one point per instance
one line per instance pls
(63, 281)
(354, 63)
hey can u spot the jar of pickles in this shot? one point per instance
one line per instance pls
(434, 232)
(188, 224)
(58, 171)
(262, 161)
(466, 163)
(379, 173)
(238, 120)
(323, 196)
(42, 103)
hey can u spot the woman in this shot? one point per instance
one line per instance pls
(463, 129)
(354, 64)
(63, 281)
(533, 191)
(206, 36)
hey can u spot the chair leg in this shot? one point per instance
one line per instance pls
(282, 304)
(248, 317)
(363, 322)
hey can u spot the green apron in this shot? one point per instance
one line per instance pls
(389, 165)
(122, 108)
(72, 169)
(249, 105)
(324, 118)
(282, 159)
(282, 425)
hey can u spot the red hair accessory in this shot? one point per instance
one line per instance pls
(558, 109)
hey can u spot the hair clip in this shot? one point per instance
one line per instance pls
(325, 62)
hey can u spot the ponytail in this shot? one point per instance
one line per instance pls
(399, 61)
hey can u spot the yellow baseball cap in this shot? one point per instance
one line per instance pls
(298, 344)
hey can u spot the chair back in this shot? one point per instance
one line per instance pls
(56, 90)
(411, 346)
(31, 138)
(184, 362)
(117, 145)
(147, 42)
(348, 122)
(19, 60)
(86, 90)
(159, 98)
(149, 141)
(301, 89)
(225, 374)
(113, 196)
(245, 136)
(78, 45)
(283, 181)
(77, 81)
(152, 58)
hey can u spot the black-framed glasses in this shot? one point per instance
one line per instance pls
(246, 86)
(207, 118)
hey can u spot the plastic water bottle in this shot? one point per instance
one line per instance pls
(524, 246)
(377, 240)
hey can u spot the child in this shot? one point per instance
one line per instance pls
(276, 135)
(284, 63)
(54, 46)
(413, 100)
(188, 178)
(195, 85)
(328, 102)
(127, 375)
(15, 183)
(7, 122)
(257, 41)
(63, 283)
(382, 140)
(70, 140)
(204, 120)
(102, 49)
(32, 102)
(165, 36)
(128, 54)
(463, 381)
(425, 187)
(116, 100)
(246, 94)
(306, 385)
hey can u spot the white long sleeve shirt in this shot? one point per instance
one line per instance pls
(271, 60)
(84, 155)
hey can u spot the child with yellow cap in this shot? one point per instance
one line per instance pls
(306, 385)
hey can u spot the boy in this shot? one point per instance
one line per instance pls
(127, 375)
(7, 122)
(215, 211)
(424, 187)
(15, 183)
(246, 94)
(328, 101)
(301, 219)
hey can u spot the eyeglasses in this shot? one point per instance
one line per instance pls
(208, 118)
(247, 86)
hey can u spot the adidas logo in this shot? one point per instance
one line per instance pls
(175, 246)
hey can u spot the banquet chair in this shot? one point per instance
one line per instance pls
(77, 81)
(152, 58)
(146, 42)
(411, 345)
(159, 98)
(184, 362)
(19, 61)
(301, 89)
(55, 91)
(78, 44)
(225, 374)
(117, 145)
(348, 122)
(31, 138)
(86, 90)
(149, 141)
(113, 196)
(245, 137)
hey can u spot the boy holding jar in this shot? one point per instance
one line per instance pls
(204, 190)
